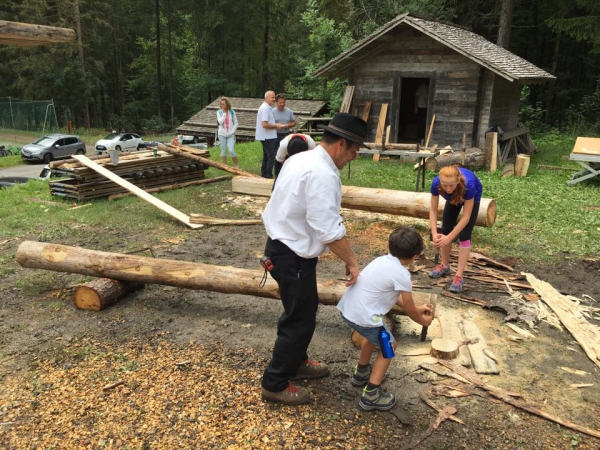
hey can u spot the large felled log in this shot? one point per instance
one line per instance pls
(184, 274)
(388, 201)
(99, 294)
(474, 159)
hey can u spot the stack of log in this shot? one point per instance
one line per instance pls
(146, 169)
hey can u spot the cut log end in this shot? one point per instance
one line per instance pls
(444, 348)
(102, 293)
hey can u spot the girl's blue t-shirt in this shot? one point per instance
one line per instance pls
(474, 188)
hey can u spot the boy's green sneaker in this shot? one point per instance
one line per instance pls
(360, 377)
(376, 399)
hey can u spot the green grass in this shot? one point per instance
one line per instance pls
(540, 217)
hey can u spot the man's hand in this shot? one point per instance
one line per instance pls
(353, 271)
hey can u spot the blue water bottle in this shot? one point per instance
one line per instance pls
(385, 344)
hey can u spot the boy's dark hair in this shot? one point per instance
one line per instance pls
(405, 242)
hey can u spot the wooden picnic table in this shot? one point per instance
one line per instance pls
(586, 153)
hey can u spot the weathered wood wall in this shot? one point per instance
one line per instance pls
(505, 104)
(410, 54)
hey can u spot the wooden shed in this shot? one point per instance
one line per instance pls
(204, 123)
(470, 83)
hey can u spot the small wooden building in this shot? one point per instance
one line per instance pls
(204, 123)
(471, 84)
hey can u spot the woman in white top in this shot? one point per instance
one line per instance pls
(228, 124)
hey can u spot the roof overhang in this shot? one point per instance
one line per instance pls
(29, 35)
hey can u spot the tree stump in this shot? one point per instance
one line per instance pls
(508, 170)
(443, 348)
(103, 292)
(358, 339)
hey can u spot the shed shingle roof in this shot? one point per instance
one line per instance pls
(204, 123)
(471, 45)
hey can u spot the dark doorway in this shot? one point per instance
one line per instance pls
(412, 115)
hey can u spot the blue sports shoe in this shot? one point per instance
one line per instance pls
(440, 271)
(457, 284)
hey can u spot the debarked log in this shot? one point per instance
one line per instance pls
(387, 201)
(100, 293)
(184, 274)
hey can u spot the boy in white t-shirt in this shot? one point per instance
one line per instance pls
(384, 283)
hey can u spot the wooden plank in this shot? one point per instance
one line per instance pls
(479, 352)
(587, 146)
(26, 34)
(430, 131)
(366, 111)
(137, 191)
(568, 312)
(380, 128)
(347, 101)
(514, 133)
(491, 151)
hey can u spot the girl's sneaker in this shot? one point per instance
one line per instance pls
(439, 271)
(376, 399)
(457, 284)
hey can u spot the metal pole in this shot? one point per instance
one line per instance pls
(12, 119)
(55, 118)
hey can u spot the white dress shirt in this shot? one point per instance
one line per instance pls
(304, 209)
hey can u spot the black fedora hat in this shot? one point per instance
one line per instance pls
(348, 126)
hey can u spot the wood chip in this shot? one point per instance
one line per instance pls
(579, 386)
(575, 371)
(521, 331)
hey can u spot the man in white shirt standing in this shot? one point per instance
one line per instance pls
(266, 133)
(302, 221)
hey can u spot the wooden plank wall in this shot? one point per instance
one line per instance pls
(486, 107)
(414, 55)
(506, 99)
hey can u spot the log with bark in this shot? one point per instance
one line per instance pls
(208, 162)
(474, 159)
(101, 293)
(184, 274)
(387, 201)
(508, 170)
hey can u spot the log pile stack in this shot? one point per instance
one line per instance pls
(143, 169)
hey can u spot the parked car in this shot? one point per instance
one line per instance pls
(122, 142)
(53, 146)
(192, 139)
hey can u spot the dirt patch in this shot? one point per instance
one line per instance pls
(56, 360)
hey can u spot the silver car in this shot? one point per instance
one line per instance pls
(53, 146)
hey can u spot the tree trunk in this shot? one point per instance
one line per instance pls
(265, 52)
(387, 201)
(86, 108)
(172, 87)
(158, 57)
(100, 293)
(506, 18)
(474, 159)
(184, 274)
(550, 90)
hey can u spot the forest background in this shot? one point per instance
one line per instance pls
(147, 66)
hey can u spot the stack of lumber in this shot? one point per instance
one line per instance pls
(142, 169)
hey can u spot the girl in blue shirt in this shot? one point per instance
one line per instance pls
(462, 190)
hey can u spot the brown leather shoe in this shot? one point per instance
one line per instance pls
(312, 369)
(292, 395)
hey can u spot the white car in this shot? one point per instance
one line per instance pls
(123, 142)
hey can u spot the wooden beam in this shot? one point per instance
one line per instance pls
(183, 274)
(347, 100)
(380, 129)
(27, 35)
(366, 111)
(137, 191)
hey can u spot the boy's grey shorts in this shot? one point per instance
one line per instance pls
(370, 333)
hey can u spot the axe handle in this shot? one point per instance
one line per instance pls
(424, 329)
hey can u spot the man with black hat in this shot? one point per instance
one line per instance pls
(302, 220)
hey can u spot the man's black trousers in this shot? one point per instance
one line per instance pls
(297, 280)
